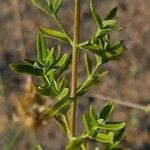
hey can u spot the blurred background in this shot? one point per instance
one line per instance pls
(128, 80)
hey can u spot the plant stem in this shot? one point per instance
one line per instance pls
(74, 65)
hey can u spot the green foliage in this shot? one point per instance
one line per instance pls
(100, 43)
(51, 67)
(106, 111)
(51, 7)
(98, 129)
(95, 15)
(27, 69)
(54, 34)
(39, 147)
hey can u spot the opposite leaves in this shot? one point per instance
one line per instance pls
(50, 7)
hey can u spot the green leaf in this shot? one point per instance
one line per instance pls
(118, 135)
(56, 5)
(26, 69)
(38, 65)
(87, 123)
(46, 91)
(62, 61)
(39, 147)
(62, 82)
(89, 46)
(41, 48)
(109, 23)
(54, 34)
(59, 52)
(114, 51)
(106, 110)
(51, 74)
(117, 45)
(112, 14)
(58, 107)
(29, 61)
(75, 144)
(88, 64)
(65, 67)
(101, 33)
(101, 121)
(104, 138)
(114, 146)
(50, 59)
(63, 93)
(95, 15)
(90, 82)
(112, 126)
(98, 59)
(62, 122)
(55, 84)
(41, 5)
(93, 115)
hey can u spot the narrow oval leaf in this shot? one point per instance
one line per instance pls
(65, 67)
(62, 123)
(90, 82)
(56, 5)
(88, 64)
(89, 46)
(41, 48)
(112, 126)
(54, 34)
(41, 5)
(62, 60)
(87, 123)
(101, 33)
(93, 115)
(98, 59)
(51, 74)
(109, 23)
(62, 82)
(118, 135)
(26, 69)
(57, 107)
(112, 14)
(50, 59)
(39, 147)
(117, 45)
(63, 93)
(75, 144)
(46, 91)
(106, 110)
(95, 15)
(104, 138)
(29, 61)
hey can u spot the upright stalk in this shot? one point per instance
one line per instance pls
(74, 65)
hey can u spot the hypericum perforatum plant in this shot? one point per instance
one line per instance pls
(51, 66)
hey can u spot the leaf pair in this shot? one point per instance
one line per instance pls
(45, 55)
(92, 77)
(100, 43)
(51, 7)
(94, 123)
(103, 48)
(98, 19)
(58, 107)
(90, 82)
